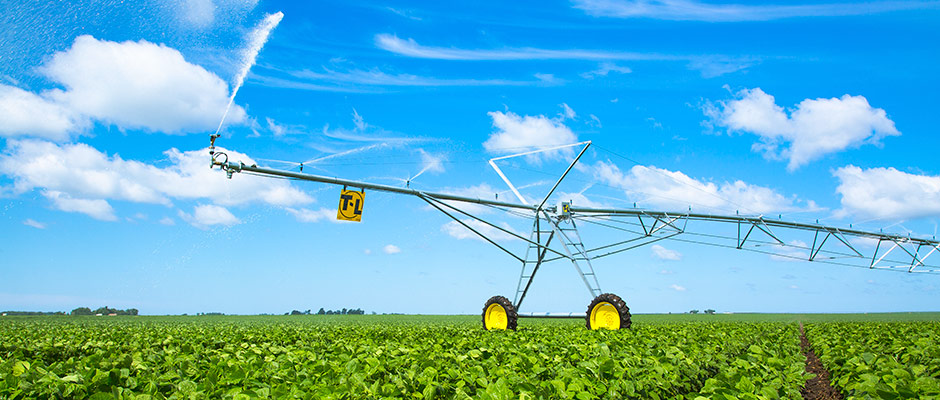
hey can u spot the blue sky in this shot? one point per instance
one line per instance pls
(802, 111)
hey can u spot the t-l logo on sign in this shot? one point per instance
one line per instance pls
(350, 205)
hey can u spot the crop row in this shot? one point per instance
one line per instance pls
(880, 360)
(262, 360)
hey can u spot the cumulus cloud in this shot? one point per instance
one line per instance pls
(811, 130)
(138, 85)
(514, 133)
(663, 253)
(675, 190)
(26, 114)
(886, 193)
(307, 215)
(207, 215)
(677, 287)
(391, 249)
(95, 208)
(458, 231)
(78, 177)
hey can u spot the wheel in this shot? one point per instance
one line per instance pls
(608, 311)
(498, 313)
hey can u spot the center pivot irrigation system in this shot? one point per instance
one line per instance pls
(555, 236)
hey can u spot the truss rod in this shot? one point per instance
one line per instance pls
(494, 226)
(239, 167)
(753, 220)
(829, 255)
(471, 229)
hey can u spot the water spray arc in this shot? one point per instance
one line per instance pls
(256, 40)
(555, 236)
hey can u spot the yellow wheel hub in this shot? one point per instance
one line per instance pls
(496, 317)
(604, 315)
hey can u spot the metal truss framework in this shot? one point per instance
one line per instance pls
(555, 234)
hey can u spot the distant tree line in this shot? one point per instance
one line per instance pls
(344, 311)
(708, 311)
(103, 311)
(33, 313)
(78, 311)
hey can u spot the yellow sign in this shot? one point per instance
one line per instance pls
(350, 205)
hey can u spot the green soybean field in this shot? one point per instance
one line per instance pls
(452, 357)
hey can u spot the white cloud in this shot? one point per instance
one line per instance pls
(360, 123)
(811, 130)
(33, 223)
(713, 66)
(677, 191)
(167, 221)
(411, 48)
(663, 253)
(481, 191)
(404, 13)
(691, 10)
(579, 200)
(604, 69)
(595, 122)
(26, 114)
(358, 80)
(886, 193)
(677, 287)
(516, 133)
(794, 250)
(548, 79)
(458, 231)
(367, 251)
(307, 215)
(207, 215)
(863, 242)
(568, 113)
(138, 85)
(95, 208)
(78, 171)
(276, 129)
(391, 249)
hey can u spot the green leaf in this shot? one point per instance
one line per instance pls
(20, 368)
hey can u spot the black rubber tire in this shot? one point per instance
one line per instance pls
(511, 315)
(617, 302)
